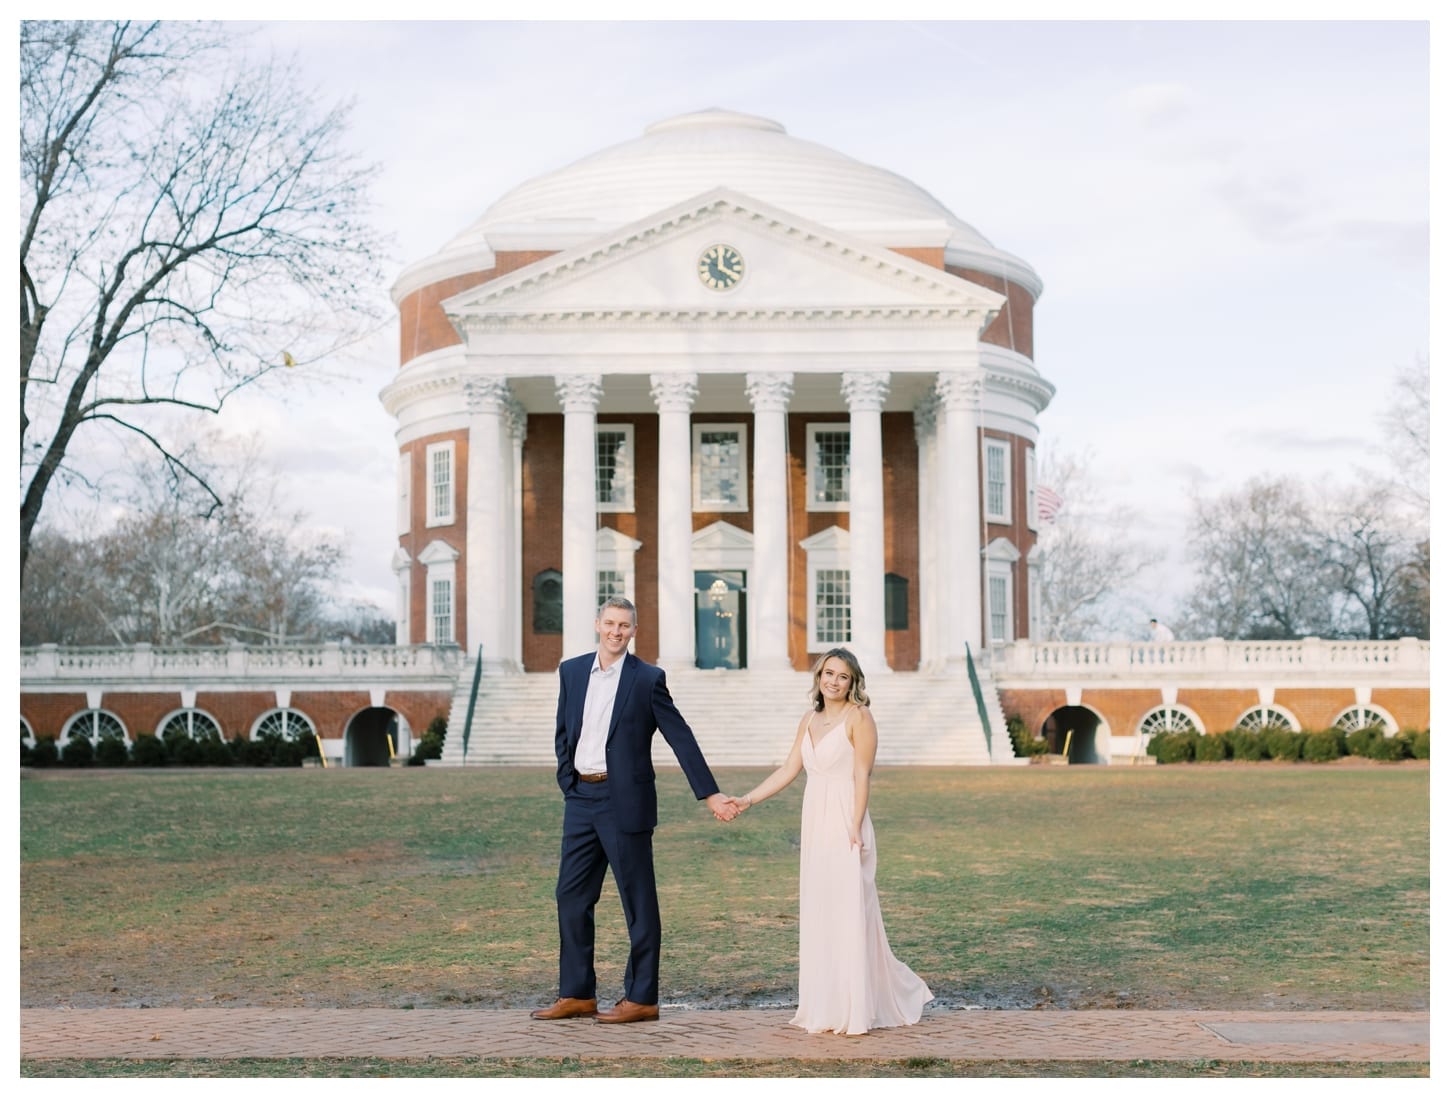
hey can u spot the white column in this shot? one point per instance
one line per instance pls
(579, 394)
(768, 606)
(490, 485)
(865, 393)
(927, 573)
(518, 430)
(674, 396)
(959, 550)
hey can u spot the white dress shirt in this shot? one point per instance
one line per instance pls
(598, 709)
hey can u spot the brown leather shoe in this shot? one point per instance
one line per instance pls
(566, 1008)
(625, 1011)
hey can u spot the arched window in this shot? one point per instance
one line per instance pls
(190, 723)
(1262, 718)
(549, 601)
(289, 724)
(1169, 718)
(1365, 716)
(93, 724)
(27, 734)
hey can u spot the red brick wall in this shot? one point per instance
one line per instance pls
(1012, 326)
(1218, 709)
(422, 324)
(903, 552)
(420, 535)
(1315, 709)
(236, 713)
(1411, 708)
(543, 546)
(1033, 706)
(932, 257)
(47, 713)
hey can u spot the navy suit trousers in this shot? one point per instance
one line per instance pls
(592, 842)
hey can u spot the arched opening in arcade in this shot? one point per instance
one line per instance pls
(374, 737)
(1073, 730)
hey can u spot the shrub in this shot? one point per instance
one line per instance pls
(1211, 748)
(1360, 742)
(306, 747)
(112, 751)
(1419, 744)
(1283, 744)
(1325, 746)
(1024, 743)
(78, 751)
(431, 745)
(44, 752)
(148, 751)
(1389, 748)
(1173, 747)
(1246, 744)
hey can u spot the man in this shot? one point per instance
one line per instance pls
(610, 705)
(1159, 633)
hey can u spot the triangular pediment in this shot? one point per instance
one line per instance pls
(831, 539)
(792, 267)
(721, 535)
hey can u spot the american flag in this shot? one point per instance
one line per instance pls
(1048, 503)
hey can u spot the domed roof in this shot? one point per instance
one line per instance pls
(679, 158)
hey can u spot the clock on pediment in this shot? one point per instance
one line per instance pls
(721, 266)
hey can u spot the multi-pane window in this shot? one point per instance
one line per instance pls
(828, 447)
(94, 725)
(720, 467)
(614, 466)
(833, 606)
(440, 611)
(611, 584)
(997, 607)
(190, 724)
(998, 480)
(440, 484)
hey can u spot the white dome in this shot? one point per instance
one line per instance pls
(685, 156)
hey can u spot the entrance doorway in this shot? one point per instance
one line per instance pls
(371, 738)
(1075, 729)
(720, 620)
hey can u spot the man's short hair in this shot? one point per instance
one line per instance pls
(617, 602)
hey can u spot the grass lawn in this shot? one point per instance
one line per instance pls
(1239, 886)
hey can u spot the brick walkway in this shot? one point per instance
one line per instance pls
(221, 1033)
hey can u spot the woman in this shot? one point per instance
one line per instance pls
(849, 980)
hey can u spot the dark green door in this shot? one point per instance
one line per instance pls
(720, 620)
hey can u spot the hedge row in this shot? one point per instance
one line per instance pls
(149, 750)
(1280, 743)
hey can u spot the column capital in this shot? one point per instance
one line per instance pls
(960, 391)
(923, 416)
(518, 419)
(770, 392)
(865, 391)
(487, 394)
(579, 392)
(674, 392)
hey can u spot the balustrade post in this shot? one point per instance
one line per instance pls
(236, 657)
(1313, 650)
(1215, 654)
(332, 657)
(47, 663)
(143, 659)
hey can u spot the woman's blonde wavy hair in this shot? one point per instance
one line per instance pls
(856, 695)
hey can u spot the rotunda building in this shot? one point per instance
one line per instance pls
(781, 399)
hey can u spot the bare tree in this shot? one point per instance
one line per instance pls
(1089, 560)
(1406, 424)
(190, 223)
(1379, 565)
(1263, 568)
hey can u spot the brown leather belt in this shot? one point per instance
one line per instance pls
(591, 778)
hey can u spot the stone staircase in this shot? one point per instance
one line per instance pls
(740, 718)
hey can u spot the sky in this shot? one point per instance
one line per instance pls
(1231, 219)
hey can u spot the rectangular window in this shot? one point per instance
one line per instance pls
(614, 466)
(440, 613)
(997, 479)
(720, 467)
(997, 608)
(611, 583)
(828, 467)
(405, 491)
(440, 484)
(833, 607)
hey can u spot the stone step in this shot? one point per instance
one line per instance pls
(740, 718)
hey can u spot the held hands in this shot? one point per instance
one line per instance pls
(725, 808)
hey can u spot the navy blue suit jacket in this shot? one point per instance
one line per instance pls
(641, 706)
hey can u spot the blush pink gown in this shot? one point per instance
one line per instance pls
(849, 980)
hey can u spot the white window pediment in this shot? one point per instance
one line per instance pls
(832, 539)
(401, 560)
(722, 546)
(613, 544)
(437, 552)
(1000, 549)
(652, 266)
